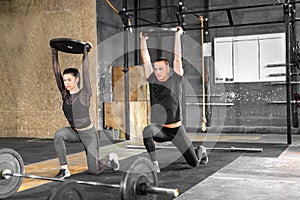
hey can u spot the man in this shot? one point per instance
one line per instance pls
(166, 97)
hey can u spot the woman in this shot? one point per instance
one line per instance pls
(76, 102)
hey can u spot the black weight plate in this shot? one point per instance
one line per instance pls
(68, 45)
(159, 32)
(69, 190)
(11, 160)
(140, 171)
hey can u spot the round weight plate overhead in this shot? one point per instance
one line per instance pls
(68, 45)
(159, 32)
(12, 161)
(140, 173)
(69, 190)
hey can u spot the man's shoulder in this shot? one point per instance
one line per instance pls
(151, 77)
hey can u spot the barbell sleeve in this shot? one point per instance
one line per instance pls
(162, 191)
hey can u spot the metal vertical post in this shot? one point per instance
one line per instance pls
(287, 18)
(158, 19)
(136, 26)
(126, 77)
(206, 61)
(293, 39)
(181, 23)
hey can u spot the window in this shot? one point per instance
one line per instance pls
(251, 58)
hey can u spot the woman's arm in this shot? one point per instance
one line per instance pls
(86, 88)
(57, 71)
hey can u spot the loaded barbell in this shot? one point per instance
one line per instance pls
(140, 179)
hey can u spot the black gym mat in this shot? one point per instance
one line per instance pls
(35, 150)
(176, 175)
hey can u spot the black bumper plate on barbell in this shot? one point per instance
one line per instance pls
(68, 45)
(140, 171)
(69, 190)
(10, 160)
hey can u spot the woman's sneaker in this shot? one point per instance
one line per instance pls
(63, 173)
(114, 161)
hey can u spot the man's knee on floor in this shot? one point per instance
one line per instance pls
(193, 163)
(190, 159)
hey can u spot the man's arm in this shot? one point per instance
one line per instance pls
(177, 64)
(145, 56)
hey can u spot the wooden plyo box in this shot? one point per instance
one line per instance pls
(114, 112)
(114, 117)
(138, 88)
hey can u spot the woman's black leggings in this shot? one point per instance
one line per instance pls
(177, 136)
(89, 139)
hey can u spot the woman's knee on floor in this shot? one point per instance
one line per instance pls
(93, 171)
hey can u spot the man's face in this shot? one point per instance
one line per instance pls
(161, 70)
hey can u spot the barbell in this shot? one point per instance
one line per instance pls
(232, 149)
(140, 179)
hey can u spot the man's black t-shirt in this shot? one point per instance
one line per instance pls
(166, 99)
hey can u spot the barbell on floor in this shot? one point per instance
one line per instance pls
(140, 179)
(213, 148)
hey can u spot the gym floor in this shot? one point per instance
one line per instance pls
(271, 174)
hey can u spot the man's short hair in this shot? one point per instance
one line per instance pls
(163, 59)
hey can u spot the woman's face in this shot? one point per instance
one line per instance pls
(70, 81)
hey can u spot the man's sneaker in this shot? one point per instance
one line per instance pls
(156, 167)
(63, 173)
(202, 154)
(114, 161)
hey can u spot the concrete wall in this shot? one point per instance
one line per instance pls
(30, 103)
(252, 111)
